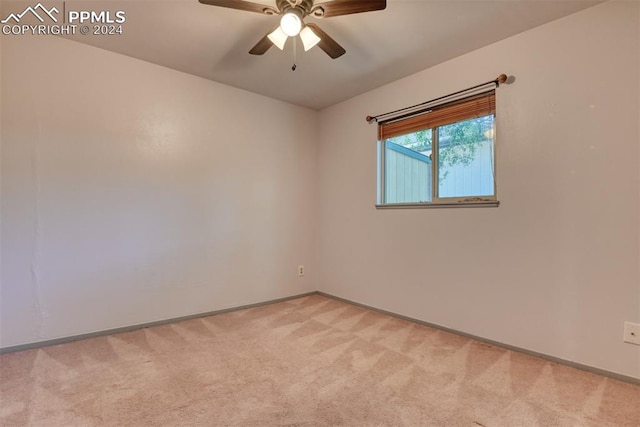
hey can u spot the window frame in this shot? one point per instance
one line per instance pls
(414, 126)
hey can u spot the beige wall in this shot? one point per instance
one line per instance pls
(133, 193)
(554, 269)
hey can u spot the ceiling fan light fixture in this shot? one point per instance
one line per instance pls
(291, 22)
(278, 38)
(309, 38)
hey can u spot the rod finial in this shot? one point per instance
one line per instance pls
(370, 119)
(502, 78)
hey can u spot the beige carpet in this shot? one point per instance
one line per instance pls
(310, 361)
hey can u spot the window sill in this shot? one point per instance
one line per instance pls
(432, 205)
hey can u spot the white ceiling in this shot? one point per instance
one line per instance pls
(409, 36)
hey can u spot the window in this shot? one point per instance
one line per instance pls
(440, 157)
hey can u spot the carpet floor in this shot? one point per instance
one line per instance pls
(312, 361)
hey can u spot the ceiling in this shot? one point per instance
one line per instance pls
(383, 46)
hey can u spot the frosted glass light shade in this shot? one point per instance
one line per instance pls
(278, 38)
(291, 24)
(309, 38)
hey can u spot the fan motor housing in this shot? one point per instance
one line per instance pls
(305, 6)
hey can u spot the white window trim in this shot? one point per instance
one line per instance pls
(431, 205)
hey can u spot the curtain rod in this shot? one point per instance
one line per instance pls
(498, 81)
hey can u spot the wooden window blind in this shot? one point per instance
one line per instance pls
(471, 107)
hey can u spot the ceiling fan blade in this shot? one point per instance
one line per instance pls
(347, 7)
(329, 45)
(263, 45)
(242, 5)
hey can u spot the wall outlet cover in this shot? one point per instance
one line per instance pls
(632, 333)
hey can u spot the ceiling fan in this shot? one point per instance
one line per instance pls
(292, 14)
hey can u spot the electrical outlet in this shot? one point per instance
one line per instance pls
(301, 270)
(632, 333)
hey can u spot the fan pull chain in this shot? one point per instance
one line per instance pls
(295, 49)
